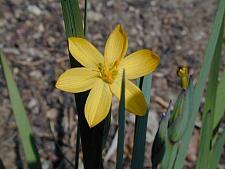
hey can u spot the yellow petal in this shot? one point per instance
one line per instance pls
(140, 63)
(77, 80)
(84, 52)
(135, 101)
(116, 45)
(98, 103)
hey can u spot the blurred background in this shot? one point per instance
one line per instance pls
(33, 39)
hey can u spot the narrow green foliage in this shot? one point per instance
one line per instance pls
(199, 88)
(137, 161)
(72, 18)
(73, 25)
(77, 147)
(219, 103)
(159, 144)
(78, 126)
(92, 139)
(217, 150)
(22, 121)
(204, 149)
(207, 122)
(170, 155)
(121, 131)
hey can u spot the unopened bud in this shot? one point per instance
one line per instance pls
(159, 144)
(180, 115)
(183, 73)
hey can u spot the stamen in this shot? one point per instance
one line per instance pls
(108, 75)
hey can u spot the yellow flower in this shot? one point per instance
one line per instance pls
(103, 75)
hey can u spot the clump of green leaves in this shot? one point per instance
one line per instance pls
(175, 128)
(211, 139)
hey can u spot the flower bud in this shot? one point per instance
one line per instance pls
(180, 115)
(183, 73)
(159, 144)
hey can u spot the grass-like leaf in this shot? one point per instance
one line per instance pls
(77, 147)
(92, 140)
(207, 122)
(199, 88)
(220, 97)
(170, 155)
(161, 138)
(217, 150)
(78, 126)
(204, 148)
(73, 27)
(137, 161)
(72, 18)
(22, 121)
(120, 144)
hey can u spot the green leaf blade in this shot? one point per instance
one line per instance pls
(160, 141)
(121, 129)
(217, 150)
(24, 127)
(219, 105)
(72, 18)
(92, 139)
(204, 147)
(208, 118)
(138, 153)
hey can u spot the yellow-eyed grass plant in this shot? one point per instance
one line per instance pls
(176, 126)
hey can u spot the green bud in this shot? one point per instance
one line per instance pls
(159, 144)
(180, 115)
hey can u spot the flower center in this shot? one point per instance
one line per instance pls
(108, 74)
